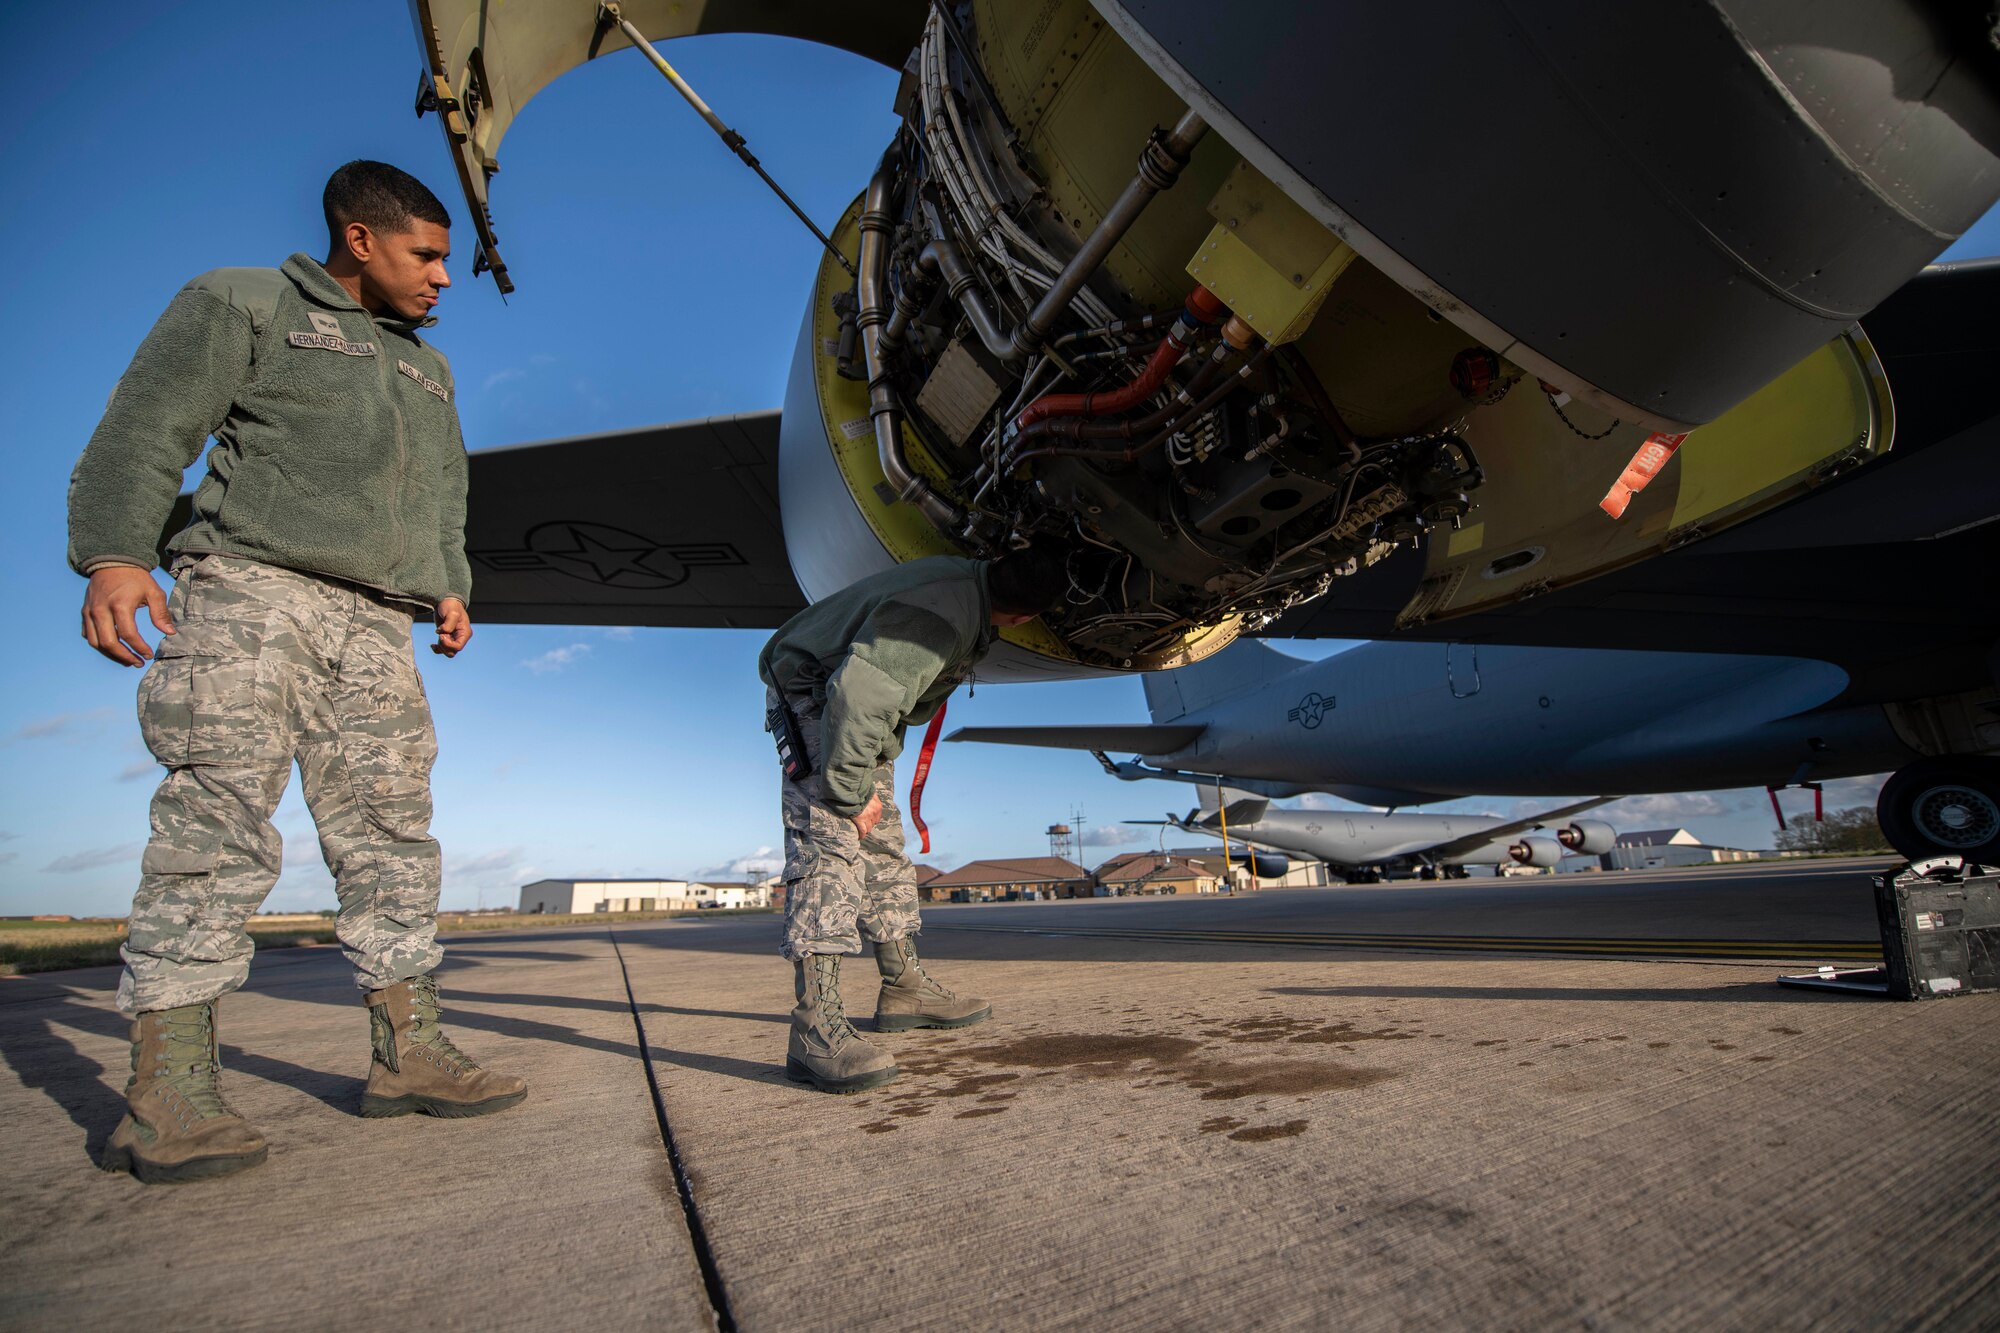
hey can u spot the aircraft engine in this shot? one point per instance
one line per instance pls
(1537, 851)
(1264, 865)
(1587, 837)
(1196, 295)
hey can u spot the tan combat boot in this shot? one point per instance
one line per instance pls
(825, 1050)
(178, 1127)
(416, 1068)
(912, 998)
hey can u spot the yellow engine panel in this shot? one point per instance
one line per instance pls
(1535, 525)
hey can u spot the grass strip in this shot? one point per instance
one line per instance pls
(54, 946)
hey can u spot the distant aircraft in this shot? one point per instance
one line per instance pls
(1362, 845)
(1398, 724)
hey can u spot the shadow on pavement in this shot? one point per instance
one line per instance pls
(750, 1071)
(1766, 991)
(47, 1061)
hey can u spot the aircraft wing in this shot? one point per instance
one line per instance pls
(1446, 850)
(1137, 738)
(665, 525)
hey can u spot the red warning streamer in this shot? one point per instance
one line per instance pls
(1645, 465)
(922, 775)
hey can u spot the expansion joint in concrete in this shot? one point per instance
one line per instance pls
(711, 1275)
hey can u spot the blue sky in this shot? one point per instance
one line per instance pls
(657, 281)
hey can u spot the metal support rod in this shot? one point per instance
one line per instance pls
(1222, 809)
(609, 13)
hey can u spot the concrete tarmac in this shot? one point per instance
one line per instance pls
(1574, 1102)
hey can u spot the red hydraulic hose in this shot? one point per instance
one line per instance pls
(1203, 307)
(1127, 396)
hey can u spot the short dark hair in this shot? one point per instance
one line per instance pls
(380, 197)
(1027, 582)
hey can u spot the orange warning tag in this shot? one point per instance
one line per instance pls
(1645, 465)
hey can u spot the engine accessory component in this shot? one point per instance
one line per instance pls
(1266, 257)
(960, 393)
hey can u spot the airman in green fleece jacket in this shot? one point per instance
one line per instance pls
(849, 674)
(332, 512)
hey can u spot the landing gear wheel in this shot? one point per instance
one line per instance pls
(1949, 806)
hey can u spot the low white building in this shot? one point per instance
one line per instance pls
(551, 896)
(1654, 849)
(734, 895)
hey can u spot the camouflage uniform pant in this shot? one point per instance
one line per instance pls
(839, 886)
(271, 666)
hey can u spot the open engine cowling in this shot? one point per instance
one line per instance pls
(1587, 837)
(1537, 851)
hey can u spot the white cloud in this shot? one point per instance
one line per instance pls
(500, 377)
(1112, 835)
(502, 866)
(137, 769)
(103, 856)
(61, 724)
(557, 659)
(5, 857)
(621, 633)
(1666, 807)
(763, 861)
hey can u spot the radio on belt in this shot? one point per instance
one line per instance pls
(1940, 923)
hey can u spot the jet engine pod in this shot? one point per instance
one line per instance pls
(1685, 201)
(1544, 852)
(1587, 837)
(1264, 865)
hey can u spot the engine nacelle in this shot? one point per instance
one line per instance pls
(1264, 865)
(1587, 837)
(1535, 851)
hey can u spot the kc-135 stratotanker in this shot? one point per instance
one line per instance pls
(1573, 324)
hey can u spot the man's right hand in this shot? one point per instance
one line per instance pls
(870, 816)
(110, 613)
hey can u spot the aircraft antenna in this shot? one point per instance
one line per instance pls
(609, 14)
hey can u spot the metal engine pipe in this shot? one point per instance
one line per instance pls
(883, 409)
(1160, 166)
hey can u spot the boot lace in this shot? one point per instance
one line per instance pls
(913, 974)
(187, 1060)
(425, 1029)
(832, 1014)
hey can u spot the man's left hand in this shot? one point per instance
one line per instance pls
(454, 626)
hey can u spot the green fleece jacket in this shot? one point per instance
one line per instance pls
(337, 446)
(878, 655)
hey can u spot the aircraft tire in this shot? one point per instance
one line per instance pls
(1945, 806)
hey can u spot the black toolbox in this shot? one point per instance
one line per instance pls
(1940, 931)
(1940, 923)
